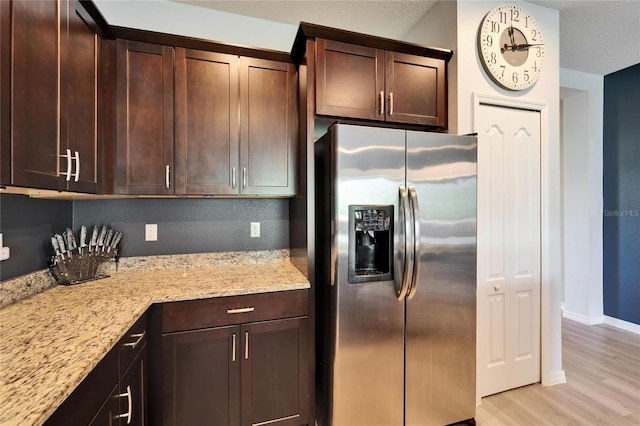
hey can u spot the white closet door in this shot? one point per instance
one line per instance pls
(508, 328)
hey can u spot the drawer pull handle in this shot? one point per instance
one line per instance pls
(139, 336)
(240, 310)
(233, 349)
(246, 345)
(129, 404)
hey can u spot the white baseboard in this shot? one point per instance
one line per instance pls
(555, 378)
(583, 319)
(624, 325)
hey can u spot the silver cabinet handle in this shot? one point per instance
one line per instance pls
(167, 173)
(407, 265)
(390, 103)
(241, 310)
(246, 345)
(130, 405)
(413, 197)
(76, 176)
(233, 177)
(381, 102)
(244, 178)
(233, 347)
(139, 337)
(69, 158)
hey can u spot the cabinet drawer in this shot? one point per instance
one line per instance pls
(219, 311)
(131, 344)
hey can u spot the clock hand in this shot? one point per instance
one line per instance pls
(525, 46)
(510, 29)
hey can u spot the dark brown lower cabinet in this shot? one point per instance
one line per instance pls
(274, 372)
(235, 374)
(201, 379)
(115, 391)
(133, 392)
(108, 414)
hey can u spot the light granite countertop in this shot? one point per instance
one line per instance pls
(49, 342)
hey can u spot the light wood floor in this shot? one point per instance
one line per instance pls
(602, 366)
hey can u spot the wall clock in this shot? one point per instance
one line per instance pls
(511, 47)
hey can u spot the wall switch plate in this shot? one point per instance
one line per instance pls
(255, 229)
(151, 232)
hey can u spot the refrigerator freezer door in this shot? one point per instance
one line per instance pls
(440, 329)
(368, 362)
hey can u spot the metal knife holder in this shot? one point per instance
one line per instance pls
(76, 263)
(78, 268)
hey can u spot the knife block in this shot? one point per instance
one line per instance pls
(79, 267)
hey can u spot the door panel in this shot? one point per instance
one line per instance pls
(34, 94)
(367, 367)
(267, 132)
(440, 330)
(509, 248)
(144, 111)
(349, 80)
(206, 143)
(273, 372)
(201, 377)
(415, 89)
(79, 99)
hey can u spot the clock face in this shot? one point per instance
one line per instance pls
(511, 47)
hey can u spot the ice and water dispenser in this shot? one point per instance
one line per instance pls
(370, 243)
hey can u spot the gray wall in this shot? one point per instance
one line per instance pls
(27, 225)
(189, 225)
(184, 226)
(621, 170)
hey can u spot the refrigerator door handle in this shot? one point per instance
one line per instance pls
(413, 197)
(407, 262)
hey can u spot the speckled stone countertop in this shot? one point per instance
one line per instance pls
(49, 342)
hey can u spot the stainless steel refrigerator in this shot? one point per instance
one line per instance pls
(395, 235)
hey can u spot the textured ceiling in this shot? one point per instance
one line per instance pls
(596, 36)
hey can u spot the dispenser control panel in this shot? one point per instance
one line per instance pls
(370, 243)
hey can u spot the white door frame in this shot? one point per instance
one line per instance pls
(550, 291)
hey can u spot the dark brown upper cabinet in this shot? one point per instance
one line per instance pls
(235, 125)
(350, 75)
(234, 119)
(49, 96)
(268, 127)
(363, 82)
(144, 118)
(206, 119)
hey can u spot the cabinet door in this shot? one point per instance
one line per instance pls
(5, 93)
(268, 124)
(206, 120)
(133, 392)
(34, 94)
(144, 118)
(108, 414)
(274, 372)
(201, 377)
(416, 91)
(349, 80)
(79, 97)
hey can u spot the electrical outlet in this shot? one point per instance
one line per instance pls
(255, 229)
(151, 232)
